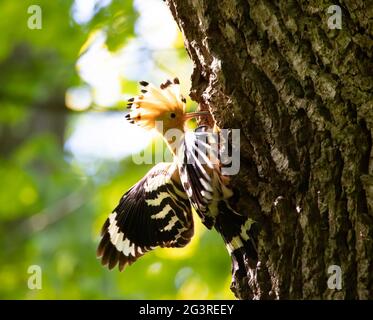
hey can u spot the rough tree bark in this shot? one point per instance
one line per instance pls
(301, 94)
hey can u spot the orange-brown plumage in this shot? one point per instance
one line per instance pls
(164, 104)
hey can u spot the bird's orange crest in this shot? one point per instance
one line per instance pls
(164, 104)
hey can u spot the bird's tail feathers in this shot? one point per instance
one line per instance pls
(240, 236)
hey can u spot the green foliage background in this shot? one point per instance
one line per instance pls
(51, 210)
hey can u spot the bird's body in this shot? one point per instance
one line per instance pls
(157, 210)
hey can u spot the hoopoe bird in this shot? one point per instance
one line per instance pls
(157, 210)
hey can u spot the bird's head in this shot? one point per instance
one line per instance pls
(160, 108)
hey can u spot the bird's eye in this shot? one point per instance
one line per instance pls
(173, 115)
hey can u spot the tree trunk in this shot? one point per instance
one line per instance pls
(301, 93)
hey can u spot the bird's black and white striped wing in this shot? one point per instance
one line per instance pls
(154, 212)
(210, 194)
(196, 167)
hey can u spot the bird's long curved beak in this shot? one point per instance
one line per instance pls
(191, 115)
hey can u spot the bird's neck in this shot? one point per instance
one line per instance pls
(174, 143)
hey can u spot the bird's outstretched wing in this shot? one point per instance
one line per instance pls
(154, 212)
